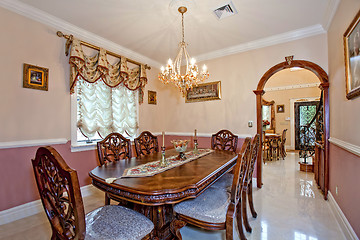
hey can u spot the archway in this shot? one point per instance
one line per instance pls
(324, 85)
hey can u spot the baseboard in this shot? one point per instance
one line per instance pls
(34, 207)
(341, 219)
(254, 182)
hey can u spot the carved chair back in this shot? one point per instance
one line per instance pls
(224, 140)
(283, 137)
(59, 191)
(146, 144)
(113, 147)
(240, 171)
(255, 145)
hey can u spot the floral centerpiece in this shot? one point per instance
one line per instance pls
(180, 146)
(265, 124)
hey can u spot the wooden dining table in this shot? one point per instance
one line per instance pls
(155, 196)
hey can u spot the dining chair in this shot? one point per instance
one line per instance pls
(224, 140)
(282, 144)
(146, 143)
(274, 150)
(216, 209)
(265, 148)
(247, 190)
(60, 194)
(113, 147)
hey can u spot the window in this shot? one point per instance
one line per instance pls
(98, 110)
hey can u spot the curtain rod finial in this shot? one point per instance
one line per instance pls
(59, 33)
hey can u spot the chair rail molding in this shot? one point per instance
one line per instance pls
(341, 219)
(185, 134)
(32, 143)
(345, 145)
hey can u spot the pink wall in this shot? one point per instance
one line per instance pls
(344, 173)
(17, 180)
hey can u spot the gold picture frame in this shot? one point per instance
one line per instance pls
(352, 58)
(151, 97)
(35, 77)
(280, 108)
(204, 92)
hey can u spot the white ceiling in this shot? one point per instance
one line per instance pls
(149, 31)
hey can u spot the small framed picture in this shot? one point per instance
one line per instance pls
(280, 108)
(35, 77)
(352, 58)
(151, 97)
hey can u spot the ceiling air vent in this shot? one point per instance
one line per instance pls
(226, 10)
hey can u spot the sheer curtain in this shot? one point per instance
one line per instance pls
(104, 110)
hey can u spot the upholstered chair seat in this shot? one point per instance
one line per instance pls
(224, 182)
(211, 206)
(116, 223)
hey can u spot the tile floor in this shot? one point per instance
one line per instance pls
(289, 207)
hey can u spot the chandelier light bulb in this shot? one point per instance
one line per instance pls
(169, 61)
(192, 61)
(204, 68)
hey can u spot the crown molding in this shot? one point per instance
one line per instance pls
(264, 42)
(68, 28)
(330, 13)
(309, 85)
(59, 24)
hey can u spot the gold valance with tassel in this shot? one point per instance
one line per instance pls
(95, 68)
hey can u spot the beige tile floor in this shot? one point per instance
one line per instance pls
(289, 207)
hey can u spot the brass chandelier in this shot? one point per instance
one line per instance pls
(172, 71)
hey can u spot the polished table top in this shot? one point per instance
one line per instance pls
(171, 186)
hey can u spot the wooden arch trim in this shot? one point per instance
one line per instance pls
(316, 69)
(324, 85)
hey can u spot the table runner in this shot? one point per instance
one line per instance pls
(153, 168)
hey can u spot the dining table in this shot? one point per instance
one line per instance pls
(154, 196)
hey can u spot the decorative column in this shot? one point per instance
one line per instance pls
(259, 94)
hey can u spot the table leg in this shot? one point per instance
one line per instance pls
(161, 216)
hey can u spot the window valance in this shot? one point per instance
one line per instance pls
(92, 69)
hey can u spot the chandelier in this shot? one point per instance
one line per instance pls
(172, 72)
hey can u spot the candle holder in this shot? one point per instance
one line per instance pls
(196, 151)
(163, 162)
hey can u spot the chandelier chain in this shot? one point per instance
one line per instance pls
(182, 27)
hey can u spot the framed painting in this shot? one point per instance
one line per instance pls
(352, 58)
(35, 77)
(280, 108)
(204, 92)
(151, 97)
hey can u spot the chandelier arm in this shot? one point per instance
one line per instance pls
(187, 59)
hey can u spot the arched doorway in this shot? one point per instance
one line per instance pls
(324, 85)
